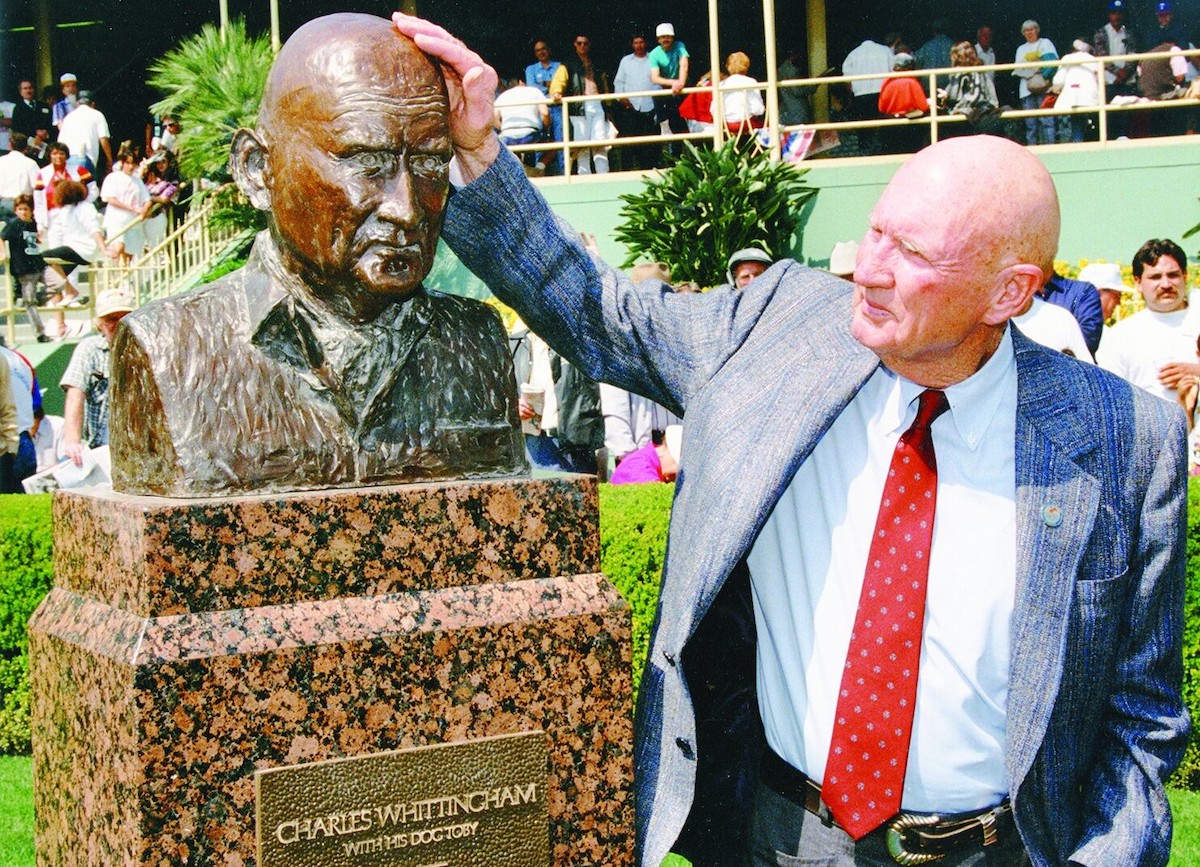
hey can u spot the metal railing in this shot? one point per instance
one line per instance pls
(180, 258)
(937, 118)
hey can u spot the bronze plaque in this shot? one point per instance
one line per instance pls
(478, 803)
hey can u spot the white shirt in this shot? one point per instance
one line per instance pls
(6, 110)
(75, 226)
(868, 57)
(630, 419)
(741, 105)
(1031, 52)
(518, 121)
(22, 388)
(1117, 40)
(987, 56)
(1138, 346)
(82, 130)
(1053, 326)
(633, 74)
(18, 174)
(807, 569)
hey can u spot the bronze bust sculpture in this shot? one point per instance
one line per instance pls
(324, 362)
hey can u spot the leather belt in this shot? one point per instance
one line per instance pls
(912, 838)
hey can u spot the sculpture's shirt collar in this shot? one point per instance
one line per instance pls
(349, 363)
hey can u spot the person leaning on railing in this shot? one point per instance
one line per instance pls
(971, 93)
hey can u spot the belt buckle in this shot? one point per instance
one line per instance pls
(895, 839)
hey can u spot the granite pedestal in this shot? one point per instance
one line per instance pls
(189, 643)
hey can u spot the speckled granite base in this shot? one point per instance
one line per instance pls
(188, 643)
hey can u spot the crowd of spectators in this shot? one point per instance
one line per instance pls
(1075, 83)
(69, 199)
(894, 89)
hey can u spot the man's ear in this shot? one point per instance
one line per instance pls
(1017, 284)
(248, 162)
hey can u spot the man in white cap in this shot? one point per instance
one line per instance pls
(1106, 277)
(85, 132)
(85, 381)
(66, 105)
(669, 70)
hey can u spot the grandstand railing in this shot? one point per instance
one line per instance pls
(180, 259)
(935, 121)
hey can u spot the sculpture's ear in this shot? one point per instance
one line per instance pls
(248, 162)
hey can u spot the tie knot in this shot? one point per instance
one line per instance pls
(932, 404)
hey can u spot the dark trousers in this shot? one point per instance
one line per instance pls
(15, 469)
(631, 122)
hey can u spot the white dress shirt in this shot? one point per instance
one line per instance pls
(807, 569)
(18, 175)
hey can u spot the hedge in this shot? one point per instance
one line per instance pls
(633, 534)
(25, 577)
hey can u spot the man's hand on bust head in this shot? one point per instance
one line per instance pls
(471, 84)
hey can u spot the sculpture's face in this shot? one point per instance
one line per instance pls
(357, 168)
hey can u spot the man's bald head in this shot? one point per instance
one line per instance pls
(350, 158)
(956, 247)
(997, 189)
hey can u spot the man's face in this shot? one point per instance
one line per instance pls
(1162, 285)
(582, 45)
(923, 279)
(985, 37)
(541, 51)
(666, 42)
(1116, 18)
(70, 88)
(1109, 299)
(107, 325)
(1164, 19)
(358, 175)
(744, 272)
(639, 46)
(26, 90)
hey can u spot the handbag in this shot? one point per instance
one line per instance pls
(1038, 83)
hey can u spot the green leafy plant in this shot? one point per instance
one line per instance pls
(711, 204)
(213, 85)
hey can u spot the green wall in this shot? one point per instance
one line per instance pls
(1113, 198)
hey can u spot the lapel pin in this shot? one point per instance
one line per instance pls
(1052, 515)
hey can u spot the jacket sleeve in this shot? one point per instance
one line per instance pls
(643, 338)
(1126, 818)
(9, 435)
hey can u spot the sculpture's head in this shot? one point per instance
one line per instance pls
(350, 157)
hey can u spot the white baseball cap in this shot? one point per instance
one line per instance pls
(664, 29)
(67, 76)
(1104, 275)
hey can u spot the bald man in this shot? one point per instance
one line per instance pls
(1039, 615)
(324, 362)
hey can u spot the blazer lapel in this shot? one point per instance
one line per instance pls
(736, 474)
(1056, 507)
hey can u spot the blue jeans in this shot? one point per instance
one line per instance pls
(1038, 130)
(555, 166)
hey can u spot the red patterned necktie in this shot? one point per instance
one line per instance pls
(868, 753)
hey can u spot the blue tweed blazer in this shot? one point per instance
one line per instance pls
(1095, 716)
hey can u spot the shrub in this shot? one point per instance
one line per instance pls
(26, 576)
(711, 204)
(633, 543)
(1188, 775)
